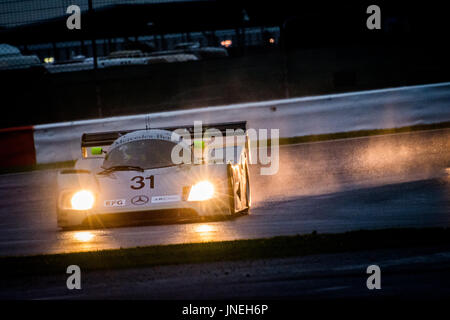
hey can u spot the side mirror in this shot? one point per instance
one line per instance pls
(93, 152)
(200, 144)
(96, 151)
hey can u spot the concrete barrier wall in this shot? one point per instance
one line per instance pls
(374, 109)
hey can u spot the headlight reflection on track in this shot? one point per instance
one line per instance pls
(206, 232)
(204, 228)
(83, 236)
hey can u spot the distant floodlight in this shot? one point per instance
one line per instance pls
(226, 43)
(49, 60)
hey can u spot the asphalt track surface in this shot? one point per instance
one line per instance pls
(399, 180)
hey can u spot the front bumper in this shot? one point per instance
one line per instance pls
(75, 218)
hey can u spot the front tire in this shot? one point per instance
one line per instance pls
(248, 195)
(231, 193)
(233, 197)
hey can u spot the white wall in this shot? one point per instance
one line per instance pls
(374, 109)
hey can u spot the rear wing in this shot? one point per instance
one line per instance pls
(95, 145)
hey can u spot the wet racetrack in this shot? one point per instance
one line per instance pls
(400, 180)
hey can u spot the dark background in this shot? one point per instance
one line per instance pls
(322, 48)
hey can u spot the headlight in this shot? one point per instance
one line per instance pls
(82, 200)
(201, 191)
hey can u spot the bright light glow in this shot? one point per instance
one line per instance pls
(204, 228)
(49, 60)
(201, 191)
(84, 236)
(272, 40)
(226, 43)
(82, 200)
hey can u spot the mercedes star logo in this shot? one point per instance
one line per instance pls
(139, 200)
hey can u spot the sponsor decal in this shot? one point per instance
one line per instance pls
(139, 200)
(146, 135)
(115, 203)
(161, 199)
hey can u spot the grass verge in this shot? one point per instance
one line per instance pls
(277, 247)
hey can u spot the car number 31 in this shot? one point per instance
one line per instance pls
(139, 182)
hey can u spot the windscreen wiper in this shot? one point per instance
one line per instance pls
(121, 168)
(166, 166)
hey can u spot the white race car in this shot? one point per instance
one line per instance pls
(131, 174)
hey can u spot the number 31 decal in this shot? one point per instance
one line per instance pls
(140, 182)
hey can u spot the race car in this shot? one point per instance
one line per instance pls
(132, 173)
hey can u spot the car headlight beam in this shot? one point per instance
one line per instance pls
(82, 200)
(201, 191)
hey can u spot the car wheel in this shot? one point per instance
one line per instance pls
(248, 198)
(231, 193)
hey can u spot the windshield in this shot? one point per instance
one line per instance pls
(146, 154)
